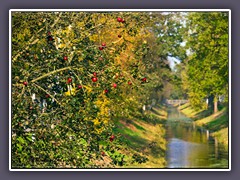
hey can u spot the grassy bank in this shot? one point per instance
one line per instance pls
(217, 123)
(144, 138)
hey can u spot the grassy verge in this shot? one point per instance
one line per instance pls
(144, 138)
(217, 123)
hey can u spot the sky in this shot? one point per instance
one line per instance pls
(172, 62)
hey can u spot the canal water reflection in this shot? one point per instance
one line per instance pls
(190, 146)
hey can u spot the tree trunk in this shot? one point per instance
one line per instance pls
(210, 102)
(215, 104)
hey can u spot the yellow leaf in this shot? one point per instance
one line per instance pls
(71, 90)
(61, 45)
(68, 93)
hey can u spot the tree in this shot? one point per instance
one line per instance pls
(170, 35)
(78, 65)
(168, 30)
(74, 74)
(207, 64)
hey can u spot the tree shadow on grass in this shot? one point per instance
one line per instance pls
(141, 145)
(219, 123)
(151, 118)
(156, 112)
(203, 114)
(185, 107)
(135, 142)
(157, 152)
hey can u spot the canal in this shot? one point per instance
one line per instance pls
(190, 146)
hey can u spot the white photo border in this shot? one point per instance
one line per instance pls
(121, 10)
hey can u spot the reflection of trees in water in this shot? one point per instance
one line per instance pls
(187, 132)
(198, 155)
(193, 143)
(182, 127)
(187, 154)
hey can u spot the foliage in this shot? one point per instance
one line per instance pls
(85, 69)
(206, 68)
(169, 34)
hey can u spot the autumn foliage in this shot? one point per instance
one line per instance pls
(73, 73)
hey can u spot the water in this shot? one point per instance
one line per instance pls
(190, 146)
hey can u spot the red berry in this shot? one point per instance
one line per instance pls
(100, 48)
(50, 38)
(95, 74)
(119, 19)
(47, 95)
(65, 58)
(31, 108)
(25, 83)
(112, 138)
(94, 79)
(129, 82)
(69, 80)
(103, 153)
(79, 87)
(144, 79)
(114, 85)
(104, 44)
(119, 36)
(106, 91)
(49, 33)
(123, 21)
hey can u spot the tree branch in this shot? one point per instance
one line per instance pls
(52, 72)
(47, 93)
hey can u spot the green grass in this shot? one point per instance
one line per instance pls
(222, 136)
(183, 106)
(139, 127)
(145, 136)
(216, 123)
(190, 112)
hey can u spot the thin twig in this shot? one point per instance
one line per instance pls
(23, 90)
(52, 72)
(79, 82)
(117, 41)
(47, 93)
